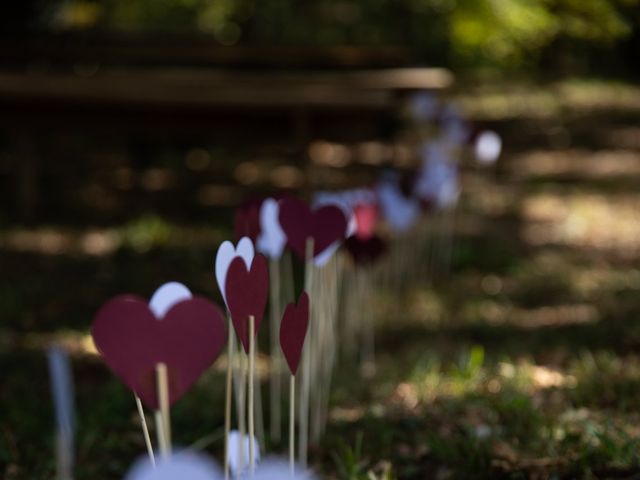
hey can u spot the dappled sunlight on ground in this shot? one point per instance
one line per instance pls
(608, 223)
(499, 100)
(522, 362)
(577, 164)
(141, 235)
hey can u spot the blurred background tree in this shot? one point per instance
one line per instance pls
(567, 36)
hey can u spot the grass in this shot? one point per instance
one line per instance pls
(521, 363)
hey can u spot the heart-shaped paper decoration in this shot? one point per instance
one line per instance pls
(166, 296)
(366, 251)
(132, 342)
(366, 215)
(324, 256)
(247, 291)
(437, 180)
(325, 225)
(293, 330)
(226, 253)
(487, 146)
(400, 212)
(183, 465)
(246, 222)
(238, 452)
(272, 239)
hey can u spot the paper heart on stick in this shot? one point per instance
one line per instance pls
(293, 331)
(324, 256)
(226, 253)
(400, 212)
(343, 200)
(272, 239)
(487, 147)
(325, 225)
(367, 251)
(183, 465)
(366, 215)
(437, 182)
(238, 453)
(246, 290)
(194, 466)
(274, 468)
(166, 296)
(133, 341)
(246, 222)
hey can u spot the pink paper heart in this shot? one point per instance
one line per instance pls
(293, 330)
(325, 225)
(133, 341)
(246, 292)
(366, 215)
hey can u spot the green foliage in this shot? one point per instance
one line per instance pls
(459, 32)
(503, 31)
(351, 465)
(146, 233)
(514, 31)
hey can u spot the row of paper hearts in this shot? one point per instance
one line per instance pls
(275, 223)
(187, 332)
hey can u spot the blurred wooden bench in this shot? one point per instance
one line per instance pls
(187, 86)
(184, 90)
(186, 101)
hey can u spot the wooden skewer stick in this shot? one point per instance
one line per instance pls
(227, 401)
(145, 431)
(274, 404)
(303, 410)
(292, 421)
(242, 414)
(162, 444)
(162, 383)
(63, 467)
(252, 367)
(257, 392)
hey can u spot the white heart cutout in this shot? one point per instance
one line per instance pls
(272, 239)
(166, 296)
(324, 256)
(238, 444)
(184, 465)
(488, 147)
(399, 211)
(274, 468)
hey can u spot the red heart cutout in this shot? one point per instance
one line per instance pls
(325, 225)
(246, 292)
(246, 222)
(133, 341)
(293, 330)
(366, 251)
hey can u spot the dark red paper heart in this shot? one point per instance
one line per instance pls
(246, 292)
(366, 251)
(325, 225)
(133, 341)
(246, 222)
(293, 330)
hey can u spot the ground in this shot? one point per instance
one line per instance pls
(522, 362)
